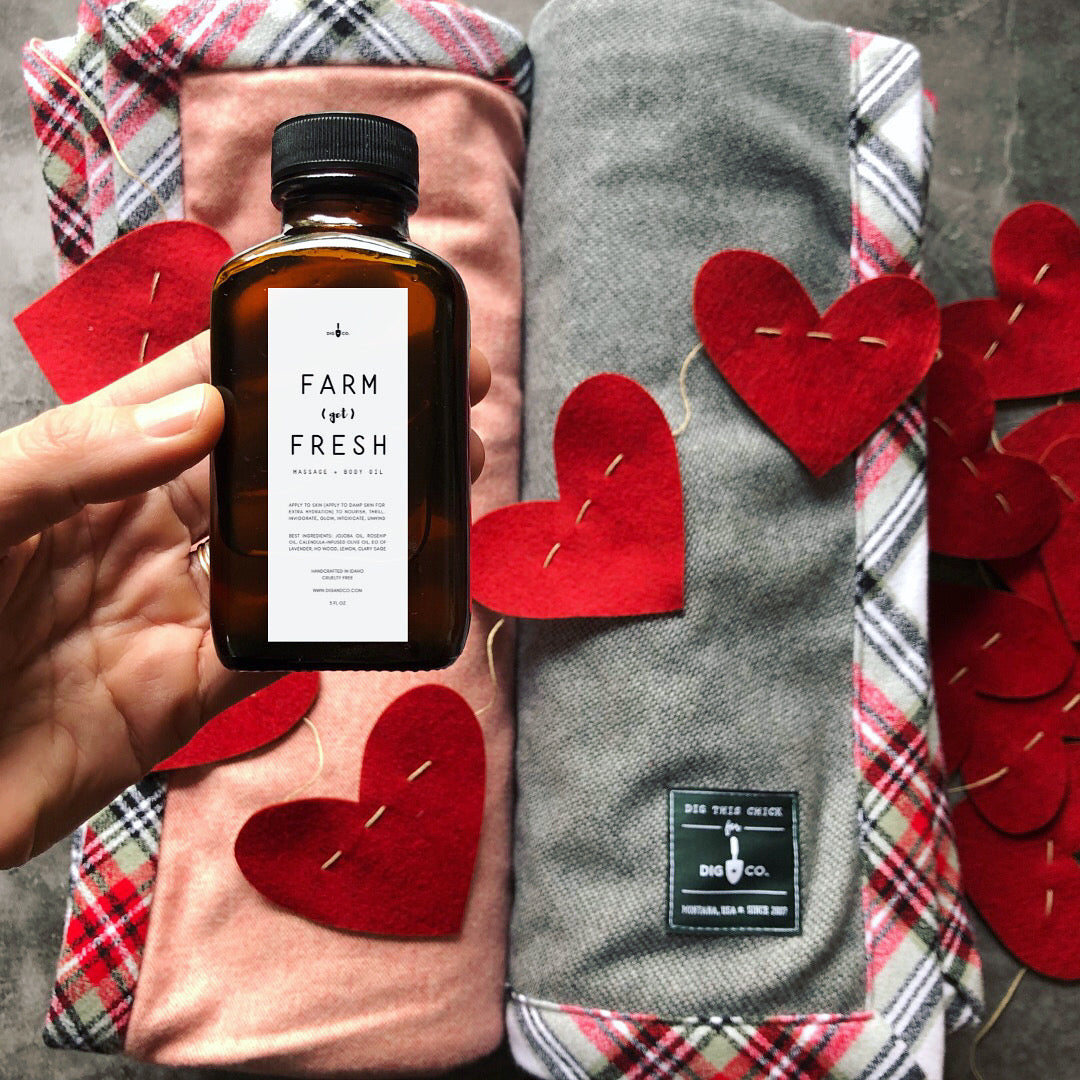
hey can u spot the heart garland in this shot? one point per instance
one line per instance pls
(823, 384)
(1009, 702)
(399, 860)
(992, 652)
(613, 543)
(250, 724)
(1049, 575)
(144, 294)
(982, 503)
(1027, 888)
(1026, 341)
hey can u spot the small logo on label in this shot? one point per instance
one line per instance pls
(733, 861)
(733, 867)
(337, 332)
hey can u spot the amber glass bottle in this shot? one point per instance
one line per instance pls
(340, 510)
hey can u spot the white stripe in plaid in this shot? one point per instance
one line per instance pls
(113, 863)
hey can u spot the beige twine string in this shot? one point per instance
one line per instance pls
(988, 1026)
(491, 667)
(318, 768)
(35, 45)
(424, 766)
(683, 368)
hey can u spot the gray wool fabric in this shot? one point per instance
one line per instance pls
(660, 134)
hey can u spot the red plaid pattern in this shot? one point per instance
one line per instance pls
(128, 59)
(112, 878)
(569, 1041)
(56, 114)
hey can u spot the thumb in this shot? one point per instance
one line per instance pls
(57, 463)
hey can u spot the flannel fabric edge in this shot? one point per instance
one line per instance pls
(921, 960)
(113, 865)
(127, 60)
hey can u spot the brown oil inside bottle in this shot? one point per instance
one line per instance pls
(342, 241)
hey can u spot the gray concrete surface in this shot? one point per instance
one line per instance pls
(1006, 74)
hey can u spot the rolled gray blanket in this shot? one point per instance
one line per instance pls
(661, 134)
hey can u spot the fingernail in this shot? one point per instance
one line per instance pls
(173, 414)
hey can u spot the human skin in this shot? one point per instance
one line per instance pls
(107, 664)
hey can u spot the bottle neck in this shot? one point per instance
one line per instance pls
(376, 214)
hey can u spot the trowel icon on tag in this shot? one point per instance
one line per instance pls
(733, 867)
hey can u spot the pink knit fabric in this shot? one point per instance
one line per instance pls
(227, 977)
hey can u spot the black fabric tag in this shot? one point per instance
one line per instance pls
(733, 862)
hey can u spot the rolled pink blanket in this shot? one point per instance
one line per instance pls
(206, 970)
(297, 995)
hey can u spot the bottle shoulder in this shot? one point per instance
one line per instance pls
(335, 246)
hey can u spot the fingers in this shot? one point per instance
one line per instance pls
(190, 363)
(479, 376)
(477, 455)
(185, 365)
(57, 463)
(479, 384)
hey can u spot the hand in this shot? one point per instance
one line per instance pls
(107, 665)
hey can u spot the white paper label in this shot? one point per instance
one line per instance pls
(338, 465)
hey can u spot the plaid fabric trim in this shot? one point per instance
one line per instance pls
(57, 117)
(113, 864)
(129, 56)
(917, 930)
(75, 154)
(922, 970)
(567, 1041)
(101, 192)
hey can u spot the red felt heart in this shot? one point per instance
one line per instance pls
(1033, 440)
(821, 384)
(142, 295)
(1027, 341)
(1028, 888)
(989, 645)
(400, 860)
(1035, 436)
(988, 505)
(997, 644)
(1015, 769)
(982, 504)
(613, 543)
(259, 719)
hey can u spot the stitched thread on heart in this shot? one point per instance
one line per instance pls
(342, 852)
(616, 461)
(1016, 313)
(970, 465)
